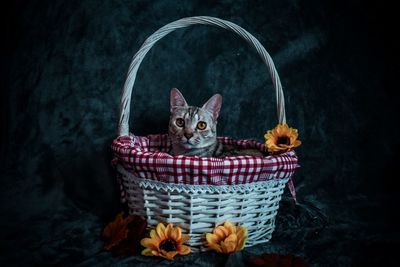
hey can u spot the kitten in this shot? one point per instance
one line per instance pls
(193, 130)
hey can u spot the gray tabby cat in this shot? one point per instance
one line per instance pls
(193, 130)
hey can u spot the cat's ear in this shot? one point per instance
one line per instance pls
(177, 99)
(213, 105)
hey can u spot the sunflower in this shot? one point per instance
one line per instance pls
(281, 138)
(165, 242)
(227, 238)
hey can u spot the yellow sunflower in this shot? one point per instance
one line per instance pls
(227, 238)
(281, 138)
(165, 242)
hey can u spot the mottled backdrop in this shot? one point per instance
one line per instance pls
(63, 65)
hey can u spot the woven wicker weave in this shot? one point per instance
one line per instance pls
(199, 208)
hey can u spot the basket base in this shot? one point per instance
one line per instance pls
(197, 209)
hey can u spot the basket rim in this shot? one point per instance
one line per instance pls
(194, 170)
(136, 142)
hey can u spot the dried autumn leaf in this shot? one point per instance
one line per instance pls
(117, 230)
(131, 244)
(123, 235)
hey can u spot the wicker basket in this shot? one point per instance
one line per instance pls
(199, 193)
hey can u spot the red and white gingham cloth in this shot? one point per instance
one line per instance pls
(147, 157)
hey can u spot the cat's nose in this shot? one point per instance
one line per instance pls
(188, 135)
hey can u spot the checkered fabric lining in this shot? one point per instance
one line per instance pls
(147, 157)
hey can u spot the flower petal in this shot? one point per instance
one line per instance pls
(221, 232)
(176, 234)
(297, 143)
(230, 227)
(231, 239)
(241, 231)
(241, 242)
(184, 250)
(147, 252)
(215, 247)
(184, 238)
(242, 238)
(168, 231)
(153, 233)
(168, 255)
(153, 244)
(269, 135)
(160, 229)
(229, 245)
(212, 239)
(281, 129)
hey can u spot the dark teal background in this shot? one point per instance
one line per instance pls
(63, 66)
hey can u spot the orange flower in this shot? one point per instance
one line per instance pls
(227, 238)
(281, 138)
(165, 242)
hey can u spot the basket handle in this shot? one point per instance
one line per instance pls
(123, 126)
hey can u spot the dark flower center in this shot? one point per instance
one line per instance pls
(168, 245)
(283, 140)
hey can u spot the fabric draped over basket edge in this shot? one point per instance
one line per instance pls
(146, 157)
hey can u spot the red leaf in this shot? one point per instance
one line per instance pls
(123, 235)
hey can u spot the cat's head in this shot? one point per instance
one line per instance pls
(193, 127)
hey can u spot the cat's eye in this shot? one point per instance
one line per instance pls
(201, 125)
(180, 122)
